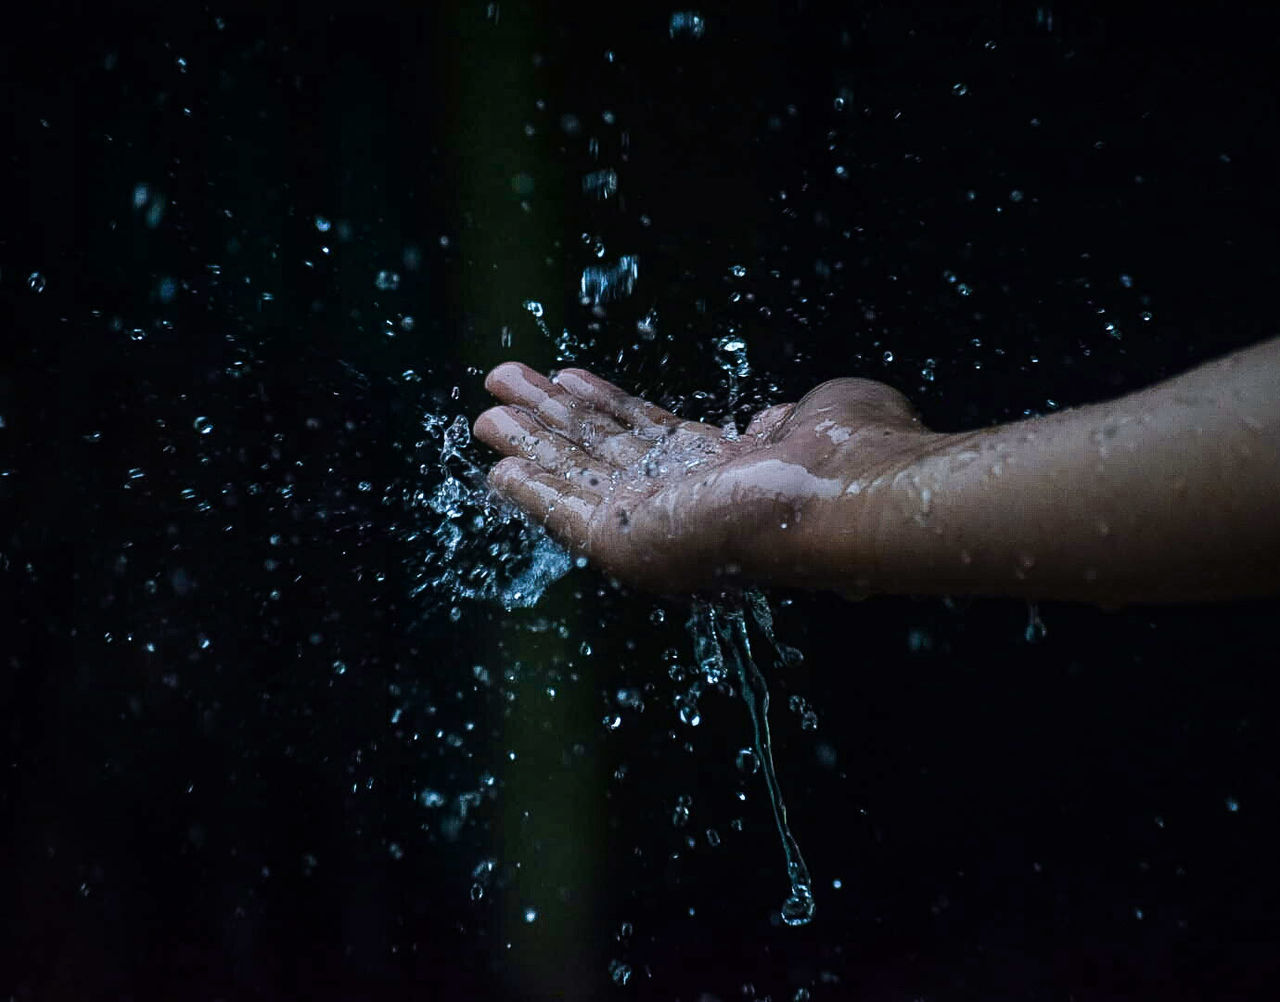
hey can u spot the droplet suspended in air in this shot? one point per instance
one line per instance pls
(680, 815)
(387, 281)
(601, 283)
(600, 183)
(202, 425)
(1035, 631)
(686, 24)
(36, 282)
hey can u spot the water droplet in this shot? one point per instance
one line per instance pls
(323, 224)
(959, 90)
(387, 281)
(36, 282)
(687, 24)
(798, 908)
(600, 183)
(533, 306)
(530, 915)
(600, 283)
(680, 815)
(738, 271)
(203, 425)
(396, 850)
(1233, 805)
(657, 617)
(689, 712)
(887, 356)
(1035, 631)
(1016, 195)
(747, 762)
(619, 972)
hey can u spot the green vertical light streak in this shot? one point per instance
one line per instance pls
(513, 218)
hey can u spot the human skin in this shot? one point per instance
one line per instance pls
(1168, 494)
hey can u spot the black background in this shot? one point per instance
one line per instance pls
(198, 804)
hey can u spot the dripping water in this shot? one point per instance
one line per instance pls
(720, 636)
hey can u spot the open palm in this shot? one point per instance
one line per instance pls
(677, 505)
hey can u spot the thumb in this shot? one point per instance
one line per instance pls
(862, 402)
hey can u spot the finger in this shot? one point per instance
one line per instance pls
(556, 407)
(514, 432)
(768, 419)
(564, 507)
(648, 419)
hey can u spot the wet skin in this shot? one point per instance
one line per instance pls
(1168, 494)
(678, 505)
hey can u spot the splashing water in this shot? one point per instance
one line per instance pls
(731, 357)
(720, 636)
(468, 546)
(600, 284)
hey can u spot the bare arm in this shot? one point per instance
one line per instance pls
(1168, 494)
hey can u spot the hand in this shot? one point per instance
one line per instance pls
(677, 506)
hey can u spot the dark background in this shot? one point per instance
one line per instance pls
(224, 691)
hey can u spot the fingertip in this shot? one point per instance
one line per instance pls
(506, 472)
(503, 375)
(484, 426)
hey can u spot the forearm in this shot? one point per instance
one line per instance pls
(1168, 494)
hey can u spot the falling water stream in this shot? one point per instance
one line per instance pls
(723, 627)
